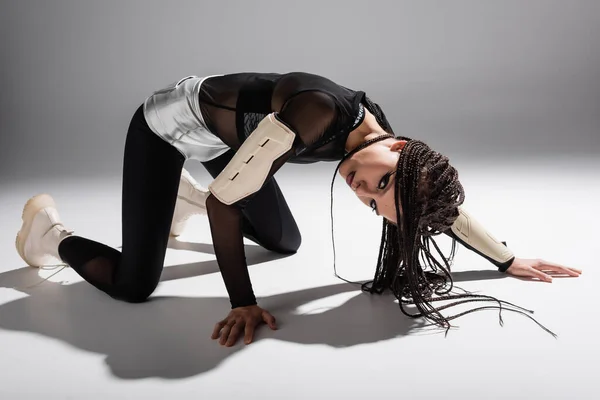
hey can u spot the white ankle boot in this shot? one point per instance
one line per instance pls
(191, 200)
(41, 232)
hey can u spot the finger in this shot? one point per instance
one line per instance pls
(560, 274)
(576, 270)
(249, 332)
(270, 320)
(555, 274)
(540, 275)
(571, 271)
(557, 267)
(225, 332)
(217, 329)
(235, 332)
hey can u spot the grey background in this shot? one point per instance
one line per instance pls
(480, 80)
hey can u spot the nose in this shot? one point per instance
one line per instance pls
(363, 190)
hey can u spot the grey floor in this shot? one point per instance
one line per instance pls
(63, 339)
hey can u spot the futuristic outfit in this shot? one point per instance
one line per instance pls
(173, 113)
(243, 128)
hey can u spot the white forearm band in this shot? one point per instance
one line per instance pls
(248, 169)
(473, 234)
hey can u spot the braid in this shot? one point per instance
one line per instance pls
(428, 193)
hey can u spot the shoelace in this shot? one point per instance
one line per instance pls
(46, 267)
(50, 266)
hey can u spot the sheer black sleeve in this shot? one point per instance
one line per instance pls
(309, 115)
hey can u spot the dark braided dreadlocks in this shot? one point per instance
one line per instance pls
(428, 194)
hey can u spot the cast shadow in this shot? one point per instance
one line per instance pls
(254, 255)
(480, 275)
(169, 337)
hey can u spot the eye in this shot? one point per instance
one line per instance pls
(384, 181)
(382, 185)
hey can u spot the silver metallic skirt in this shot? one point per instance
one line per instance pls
(173, 113)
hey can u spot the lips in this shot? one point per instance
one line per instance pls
(350, 178)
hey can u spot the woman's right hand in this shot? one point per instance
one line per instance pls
(242, 320)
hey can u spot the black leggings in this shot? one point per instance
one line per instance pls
(151, 174)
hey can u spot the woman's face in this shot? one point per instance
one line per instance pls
(370, 173)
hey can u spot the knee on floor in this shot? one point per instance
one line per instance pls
(138, 292)
(289, 244)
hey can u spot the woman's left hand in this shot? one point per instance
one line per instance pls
(540, 269)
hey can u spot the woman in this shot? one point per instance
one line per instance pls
(243, 128)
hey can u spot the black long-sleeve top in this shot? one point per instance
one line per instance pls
(321, 112)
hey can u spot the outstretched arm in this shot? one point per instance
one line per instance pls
(471, 234)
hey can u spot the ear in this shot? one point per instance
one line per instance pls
(398, 145)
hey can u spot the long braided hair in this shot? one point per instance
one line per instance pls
(427, 196)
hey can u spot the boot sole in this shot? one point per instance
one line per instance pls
(31, 208)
